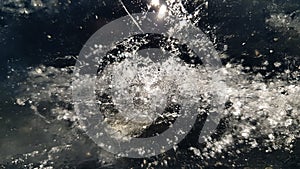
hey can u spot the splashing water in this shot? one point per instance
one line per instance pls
(260, 114)
(142, 88)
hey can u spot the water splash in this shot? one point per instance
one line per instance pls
(261, 114)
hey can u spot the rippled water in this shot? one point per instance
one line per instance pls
(260, 127)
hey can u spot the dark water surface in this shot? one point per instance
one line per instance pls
(53, 34)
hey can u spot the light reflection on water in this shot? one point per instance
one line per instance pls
(263, 115)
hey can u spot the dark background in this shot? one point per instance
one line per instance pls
(24, 43)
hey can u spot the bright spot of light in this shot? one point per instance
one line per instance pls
(162, 11)
(154, 2)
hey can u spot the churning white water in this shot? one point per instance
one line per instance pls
(263, 114)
